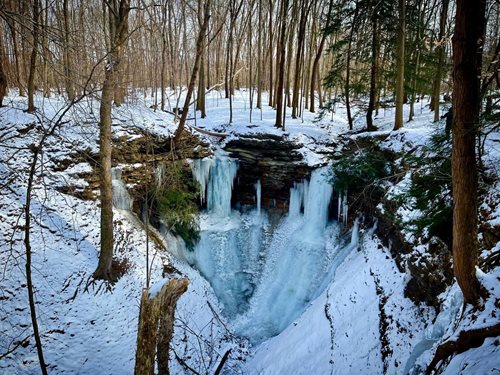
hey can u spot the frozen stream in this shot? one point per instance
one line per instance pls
(264, 276)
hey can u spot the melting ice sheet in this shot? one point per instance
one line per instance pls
(264, 276)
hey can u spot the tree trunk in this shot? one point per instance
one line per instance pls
(34, 52)
(120, 23)
(400, 66)
(168, 300)
(3, 75)
(373, 73)
(27, 244)
(271, 80)
(259, 59)
(200, 100)
(68, 70)
(348, 69)
(194, 73)
(281, 67)
(441, 49)
(298, 58)
(467, 60)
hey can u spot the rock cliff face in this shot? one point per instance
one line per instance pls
(273, 160)
(138, 153)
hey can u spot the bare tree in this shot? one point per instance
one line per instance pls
(118, 18)
(194, 73)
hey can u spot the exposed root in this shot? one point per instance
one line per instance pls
(466, 340)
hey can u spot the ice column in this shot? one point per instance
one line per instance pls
(297, 198)
(316, 201)
(215, 176)
(258, 194)
(220, 186)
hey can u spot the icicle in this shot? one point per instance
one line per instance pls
(201, 173)
(296, 198)
(345, 208)
(355, 233)
(339, 207)
(258, 194)
(160, 174)
(215, 176)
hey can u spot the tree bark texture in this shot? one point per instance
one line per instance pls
(467, 60)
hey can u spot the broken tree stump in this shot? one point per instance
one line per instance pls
(156, 327)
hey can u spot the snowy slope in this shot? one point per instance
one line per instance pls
(85, 327)
(340, 332)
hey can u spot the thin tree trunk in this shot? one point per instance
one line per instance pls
(194, 72)
(200, 100)
(305, 8)
(348, 68)
(68, 70)
(271, 81)
(281, 66)
(3, 63)
(34, 52)
(27, 244)
(374, 72)
(441, 49)
(289, 50)
(259, 59)
(400, 66)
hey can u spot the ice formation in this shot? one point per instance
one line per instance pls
(258, 195)
(263, 275)
(121, 197)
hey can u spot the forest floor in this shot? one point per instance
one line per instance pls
(361, 323)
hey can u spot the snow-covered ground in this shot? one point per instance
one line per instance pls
(360, 323)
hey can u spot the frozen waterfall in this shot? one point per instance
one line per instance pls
(216, 176)
(121, 197)
(264, 275)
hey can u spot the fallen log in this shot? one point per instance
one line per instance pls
(207, 132)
